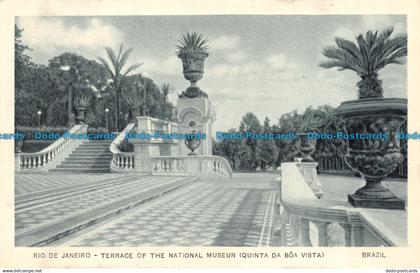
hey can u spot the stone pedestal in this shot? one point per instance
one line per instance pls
(364, 202)
(195, 114)
(142, 156)
(310, 175)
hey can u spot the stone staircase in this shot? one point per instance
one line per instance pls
(91, 156)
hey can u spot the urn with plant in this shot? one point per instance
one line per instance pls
(374, 159)
(134, 100)
(303, 124)
(193, 50)
(81, 103)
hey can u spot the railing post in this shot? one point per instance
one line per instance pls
(17, 162)
(357, 232)
(305, 238)
(322, 233)
(347, 233)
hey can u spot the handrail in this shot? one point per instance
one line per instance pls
(50, 156)
(156, 120)
(361, 226)
(191, 165)
(121, 161)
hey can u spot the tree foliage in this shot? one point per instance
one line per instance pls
(45, 88)
(248, 154)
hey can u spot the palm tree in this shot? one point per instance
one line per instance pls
(371, 53)
(115, 73)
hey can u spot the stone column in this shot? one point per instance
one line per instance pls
(196, 114)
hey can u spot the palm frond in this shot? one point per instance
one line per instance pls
(124, 58)
(131, 68)
(108, 68)
(342, 58)
(113, 59)
(371, 53)
(120, 51)
(379, 42)
(392, 50)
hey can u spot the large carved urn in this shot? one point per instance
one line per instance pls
(193, 69)
(374, 159)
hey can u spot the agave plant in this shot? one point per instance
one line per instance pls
(134, 100)
(192, 41)
(308, 122)
(83, 101)
(371, 53)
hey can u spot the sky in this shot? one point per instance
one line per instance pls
(267, 65)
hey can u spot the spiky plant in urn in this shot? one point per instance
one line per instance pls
(193, 50)
(374, 159)
(81, 103)
(134, 100)
(308, 122)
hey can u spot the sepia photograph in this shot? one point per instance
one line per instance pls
(210, 130)
(209, 135)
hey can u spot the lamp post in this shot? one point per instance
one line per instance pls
(75, 75)
(144, 101)
(39, 113)
(106, 118)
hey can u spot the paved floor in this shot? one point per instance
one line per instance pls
(239, 212)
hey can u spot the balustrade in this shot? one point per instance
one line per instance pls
(122, 161)
(319, 222)
(50, 156)
(191, 165)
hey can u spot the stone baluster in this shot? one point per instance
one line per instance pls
(347, 233)
(357, 233)
(129, 162)
(322, 233)
(305, 239)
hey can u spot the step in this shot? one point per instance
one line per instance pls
(90, 156)
(83, 165)
(90, 160)
(104, 148)
(76, 170)
(91, 150)
(80, 153)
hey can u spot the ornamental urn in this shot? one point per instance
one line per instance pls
(374, 158)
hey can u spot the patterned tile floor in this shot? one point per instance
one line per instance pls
(229, 213)
(27, 183)
(33, 216)
(200, 214)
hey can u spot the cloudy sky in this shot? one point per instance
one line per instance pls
(267, 65)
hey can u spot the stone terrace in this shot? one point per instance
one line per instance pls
(131, 210)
